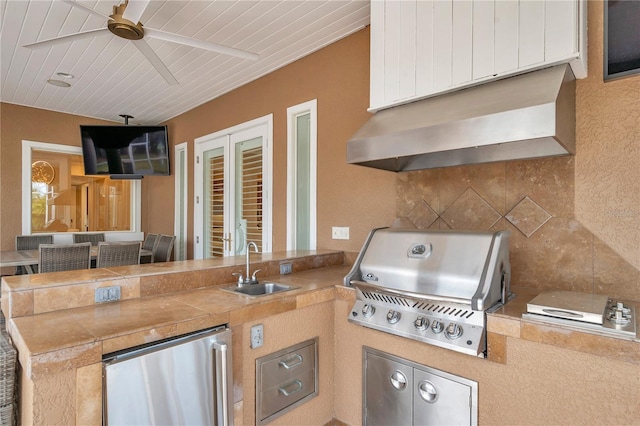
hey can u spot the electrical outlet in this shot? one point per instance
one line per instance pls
(107, 294)
(257, 336)
(340, 232)
(285, 268)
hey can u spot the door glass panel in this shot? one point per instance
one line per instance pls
(214, 205)
(303, 181)
(63, 199)
(302, 175)
(180, 209)
(248, 200)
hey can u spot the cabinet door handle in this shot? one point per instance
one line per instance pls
(428, 391)
(295, 360)
(291, 388)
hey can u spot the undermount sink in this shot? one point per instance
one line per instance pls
(263, 289)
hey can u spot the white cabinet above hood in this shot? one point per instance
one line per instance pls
(422, 48)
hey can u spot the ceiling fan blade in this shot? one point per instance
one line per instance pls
(67, 38)
(157, 63)
(86, 9)
(134, 10)
(188, 41)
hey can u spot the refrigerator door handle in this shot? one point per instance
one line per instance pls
(220, 355)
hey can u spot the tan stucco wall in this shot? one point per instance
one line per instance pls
(608, 151)
(18, 123)
(280, 332)
(607, 164)
(539, 384)
(338, 77)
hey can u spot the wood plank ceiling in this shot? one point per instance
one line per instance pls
(112, 77)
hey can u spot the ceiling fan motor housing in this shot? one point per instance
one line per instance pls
(123, 27)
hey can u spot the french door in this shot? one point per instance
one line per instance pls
(233, 187)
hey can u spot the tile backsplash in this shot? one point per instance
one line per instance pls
(534, 199)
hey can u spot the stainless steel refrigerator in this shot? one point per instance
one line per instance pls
(181, 381)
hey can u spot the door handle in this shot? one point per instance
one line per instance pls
(221, 354)
(227, 241)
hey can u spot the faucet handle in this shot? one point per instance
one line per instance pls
(254, 280)
(240, 277)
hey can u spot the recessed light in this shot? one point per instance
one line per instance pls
(64, 75)
(58, 83)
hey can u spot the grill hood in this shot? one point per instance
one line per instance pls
(526, 116)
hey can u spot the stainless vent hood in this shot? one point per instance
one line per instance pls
(526, 116)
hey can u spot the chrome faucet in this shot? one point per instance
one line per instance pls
(246, 280)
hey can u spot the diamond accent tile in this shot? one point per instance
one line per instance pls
(528, 216)
(422, 215)
(470, 212)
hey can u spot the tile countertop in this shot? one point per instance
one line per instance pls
(71, 338)
(80, 336)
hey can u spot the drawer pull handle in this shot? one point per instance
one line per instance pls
(291, 388)
(291, 362)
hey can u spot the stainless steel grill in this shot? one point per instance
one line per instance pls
(431, 286)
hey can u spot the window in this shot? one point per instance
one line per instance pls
(301, 176)
(60, 198)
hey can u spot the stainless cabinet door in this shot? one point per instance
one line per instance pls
(172, 383)
(388, 392)
(440, 401)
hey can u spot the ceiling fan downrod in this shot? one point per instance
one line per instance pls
(123, 27)
(126, 118)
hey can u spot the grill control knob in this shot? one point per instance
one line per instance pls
(421, 323)
(437, 327)
(368, 310)
(453, 331)
(393, 316)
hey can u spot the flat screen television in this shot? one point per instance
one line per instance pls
(125, 152)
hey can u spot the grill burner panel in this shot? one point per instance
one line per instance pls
(431, 286)
(444, 325)
(426, 306)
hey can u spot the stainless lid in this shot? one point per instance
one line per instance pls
(584, 307)
(462, 267)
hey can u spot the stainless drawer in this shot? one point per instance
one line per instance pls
(287, 393)
(284, 368)
(286, 379)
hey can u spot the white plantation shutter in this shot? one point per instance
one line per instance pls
(216, 206)
(252, 193)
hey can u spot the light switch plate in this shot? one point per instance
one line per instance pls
(340, 232)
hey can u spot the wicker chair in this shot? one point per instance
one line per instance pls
(8, 382)
(64, 257)
(118, 254)
(31, 242)
(163, 247)
(93, 238)
(149, 244)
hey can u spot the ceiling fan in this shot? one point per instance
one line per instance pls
(123, 24)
